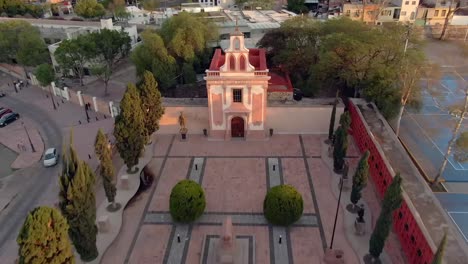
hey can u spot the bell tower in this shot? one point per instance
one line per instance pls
(237, 55)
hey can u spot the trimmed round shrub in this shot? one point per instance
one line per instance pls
(187, 201)
(283, 205)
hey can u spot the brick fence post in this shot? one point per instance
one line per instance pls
(80, 98)
(95, 104)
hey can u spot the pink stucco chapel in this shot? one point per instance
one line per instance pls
(238, 83)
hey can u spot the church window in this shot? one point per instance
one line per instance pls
(237, 95)
(236, 44)
(232, 63)
(242, 63)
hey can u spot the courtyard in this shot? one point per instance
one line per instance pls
(235, 176)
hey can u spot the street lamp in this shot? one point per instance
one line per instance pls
(337, 210)
(52, 97)
(86, 111)
(29, 138)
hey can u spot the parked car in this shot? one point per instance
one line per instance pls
(297, 94)
(8, 118)
(50, 157)
(5, 111)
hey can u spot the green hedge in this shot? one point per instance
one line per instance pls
(187, 201)
(283, 205)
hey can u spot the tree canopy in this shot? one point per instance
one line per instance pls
(77, 203)
(129, 128)
(109, 47)
(89, 9)
(43, 238)
(20, 42)
(14, 8)
(153, 56)
(187, 34)
(45, 74)
(73, 54)
(151, 104)
(361, 60)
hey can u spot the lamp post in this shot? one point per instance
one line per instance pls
(29, 138)
(86, 111)
(337, 210)
(52, 97)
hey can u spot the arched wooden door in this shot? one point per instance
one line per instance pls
(237, 127)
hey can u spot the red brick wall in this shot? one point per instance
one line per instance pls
(73, 97)
(412, 240)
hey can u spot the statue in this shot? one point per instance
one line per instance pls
(183, 129)
(182, 120)
(226, 247)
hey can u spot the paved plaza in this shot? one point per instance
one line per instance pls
(235, 176)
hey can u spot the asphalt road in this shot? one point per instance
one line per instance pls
(36, 179)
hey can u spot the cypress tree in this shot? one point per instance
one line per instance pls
(332, 119)
(345, 120)
(340, 147)
(101, 144)
(151, 104)
(360, 178)
(77, 203)
(106, 170)
(43, 238)
(129, 128)
(392, 201)
(440, 251)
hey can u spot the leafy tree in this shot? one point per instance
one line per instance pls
(73, 54)
(188, 73)
(43, 238)
(153, 56)
(297, 6)
(340, 146)
(129, 129)
(293, 46)
(440, 251)
(151, 104)
(77, 202)
(110, 46)
(332, 119)
(118, 9)
(240, 3)
(461, 147)
(360, 178)
(187, 34)
(45, 74)
(345, 120)
(283, 205)
(89, 9)
(409, 81)
(22, 43)
(187, 201)
(392, 201)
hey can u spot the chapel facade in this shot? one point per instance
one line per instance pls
(237, 83)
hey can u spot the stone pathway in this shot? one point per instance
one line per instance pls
(360, 243)
(111, 222)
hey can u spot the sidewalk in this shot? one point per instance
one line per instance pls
(360, 244)
(15, 138)
(110, 223)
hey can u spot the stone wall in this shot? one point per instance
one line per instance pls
(280, 96)
(301, 119)
(452, 32)
(196, 119)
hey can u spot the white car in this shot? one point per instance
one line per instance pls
(50, 157)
